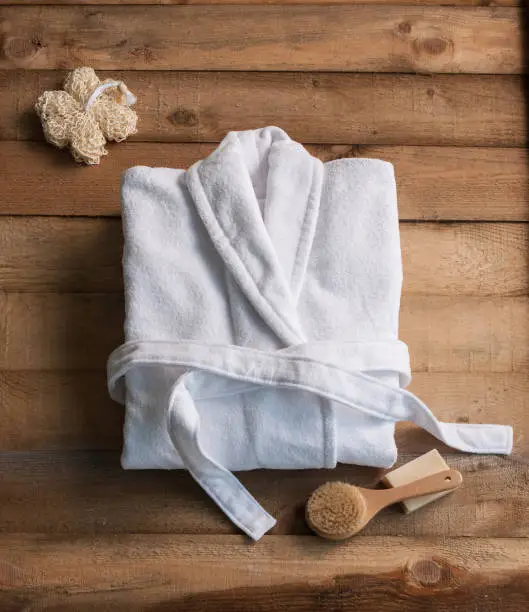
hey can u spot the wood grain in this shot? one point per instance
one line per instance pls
(454, 183)
(186, 2)
(465, 334)
(47, 254)
(71, 409)
(469, 398)
(76, 494)
(211, 573)
(465, 259)
(49, 331)
(60, 254)
(468, 110)
(264, 37)
(58, 410)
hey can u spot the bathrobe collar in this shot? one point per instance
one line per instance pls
(258, 195)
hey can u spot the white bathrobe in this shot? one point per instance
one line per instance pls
(262, 301)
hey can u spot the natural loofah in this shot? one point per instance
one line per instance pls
(87, 114)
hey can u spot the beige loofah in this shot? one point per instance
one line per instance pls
(87, 114)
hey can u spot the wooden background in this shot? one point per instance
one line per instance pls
(439, 91)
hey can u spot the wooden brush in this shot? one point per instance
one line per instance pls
(338, 510)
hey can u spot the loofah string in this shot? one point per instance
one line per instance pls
(130, 98)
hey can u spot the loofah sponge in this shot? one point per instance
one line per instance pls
(86, 114)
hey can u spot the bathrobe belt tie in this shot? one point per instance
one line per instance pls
(308, 367)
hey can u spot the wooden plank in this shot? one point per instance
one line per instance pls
(454, 183)
(493, 499)
(42, 331)
(58, 410)
(60, 254)
(469, 398)
(186, 2)
(207, 573)
(71, 409)
(48, 331)
(470, 110)
(465, 259)
(84, 255)
(465, 334)
(265, 37)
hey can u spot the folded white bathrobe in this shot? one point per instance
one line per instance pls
(262, 301)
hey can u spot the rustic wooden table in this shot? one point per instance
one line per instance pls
(435, 89)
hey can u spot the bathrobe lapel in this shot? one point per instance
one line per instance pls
(259, 203)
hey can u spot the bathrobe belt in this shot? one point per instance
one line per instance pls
(307, 367)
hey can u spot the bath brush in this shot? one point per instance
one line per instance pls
(338, 510)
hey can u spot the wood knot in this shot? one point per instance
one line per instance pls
(95, 15)
(404, 27)
(144, 53)
(426, 572)
(18, 49)
(430, 46)
(184, 116)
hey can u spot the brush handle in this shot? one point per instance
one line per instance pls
(446, 480)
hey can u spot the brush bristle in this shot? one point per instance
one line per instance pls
(335, 510)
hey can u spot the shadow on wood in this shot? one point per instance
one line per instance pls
(75, 338)
(431, 585)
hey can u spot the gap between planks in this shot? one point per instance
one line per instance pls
(265, 37)
(211, 573)
(390, 109)
(477, 183)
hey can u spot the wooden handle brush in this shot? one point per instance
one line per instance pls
(338, 510)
